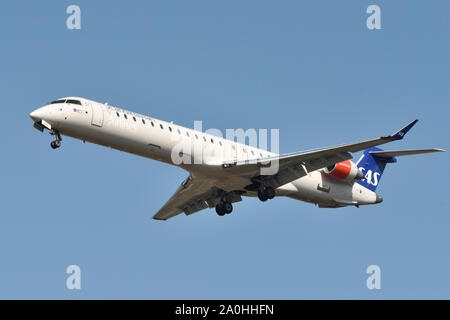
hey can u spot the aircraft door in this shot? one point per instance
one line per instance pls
(234, 152)
(97, 114)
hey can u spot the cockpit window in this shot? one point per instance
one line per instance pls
(57, 101)
(74, 102)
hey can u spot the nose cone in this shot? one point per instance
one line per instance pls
(379, 199)
(37, 115)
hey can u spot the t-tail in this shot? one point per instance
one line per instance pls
(374, 160)
(372, 167)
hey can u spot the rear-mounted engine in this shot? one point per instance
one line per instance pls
(344, 170)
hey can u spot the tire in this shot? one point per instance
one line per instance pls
(262, 196)
(227, 207)
(270, 193)
(220, 210)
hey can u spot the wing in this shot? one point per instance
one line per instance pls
(194, 194)
(198, 193)
(289, 167)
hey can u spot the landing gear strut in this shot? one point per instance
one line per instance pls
(57, 142)
(266, 193)
(224, 207)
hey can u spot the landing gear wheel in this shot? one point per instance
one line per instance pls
(219, 210)
(55, 144)
(266, 193)
(270, 193)
(227, 207)
(224, 207)
(262, 195)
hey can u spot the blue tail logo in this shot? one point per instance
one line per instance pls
(372, 167)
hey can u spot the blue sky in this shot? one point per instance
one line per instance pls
(309, 68)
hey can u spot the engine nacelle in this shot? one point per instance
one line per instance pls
(344, 170)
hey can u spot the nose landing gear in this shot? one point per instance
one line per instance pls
(55, 144)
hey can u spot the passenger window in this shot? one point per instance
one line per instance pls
(118, 115)
(143, 121)
(196, 136)
(179, 132)
(152, 123)
(204, 139)
(253, 153)
(187, 133)
(161, 126)
(170, 129)
(134, 118)
(125, 116)
(220, 142)
(212, 141)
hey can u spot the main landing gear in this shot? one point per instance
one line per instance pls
(266, 193)
(57, 142)
(224, 207)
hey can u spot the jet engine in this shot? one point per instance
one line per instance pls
(344, 170)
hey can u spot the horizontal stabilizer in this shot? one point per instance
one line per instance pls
(397, 153)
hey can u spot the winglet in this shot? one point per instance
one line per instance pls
(401, 133)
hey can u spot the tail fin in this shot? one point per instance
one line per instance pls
(372, 167)
(374, 160)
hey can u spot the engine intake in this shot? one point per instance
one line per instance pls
(344, 170)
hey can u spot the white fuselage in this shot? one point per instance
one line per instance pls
(167, 142)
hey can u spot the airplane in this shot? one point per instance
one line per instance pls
(325, 177)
